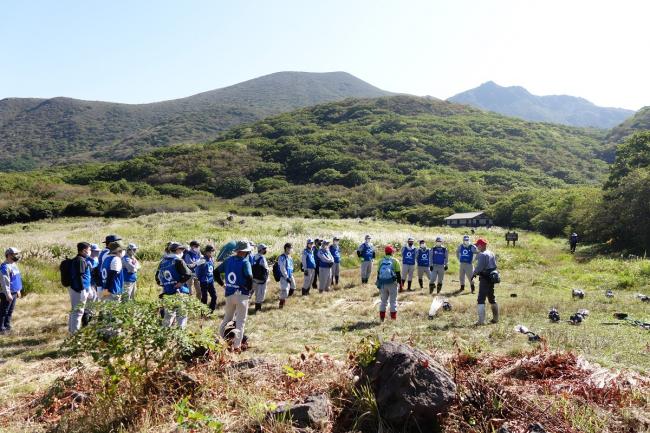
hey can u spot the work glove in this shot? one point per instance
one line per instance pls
(306, 273)
(446, 267)
(431, 268)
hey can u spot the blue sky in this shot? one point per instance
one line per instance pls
(144, 51)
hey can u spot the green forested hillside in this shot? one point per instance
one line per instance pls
(400, 157)
(39, 132)
(637, 123)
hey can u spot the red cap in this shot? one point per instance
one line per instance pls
(481, 241)
(389, 249)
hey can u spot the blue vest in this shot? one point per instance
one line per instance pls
(85, 277)
(367, 251)
(408, 255)
(309, 258)
(190, 256)
(100, 261)
(235, 275)
(15, 279)
(466, 254)
(111, 280)
(314, 252)
(336, 253)
(169, 277)
(205, 272)
(423, 257)
(439, 254)
(129, 277)
(289, 266)
(322, 263)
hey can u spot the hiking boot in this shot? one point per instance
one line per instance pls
(461, 289)
(291, 292)
(282, 302)
(495, 313)
(471, 286)
(401, 287)
(431, 287)
(421, 283)
(258, 307)
(382, 316)
(438, 288)
(409, 288)
(393, 315)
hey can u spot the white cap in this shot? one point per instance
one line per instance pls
(12, 251)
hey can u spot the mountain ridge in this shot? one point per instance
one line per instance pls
(563, 109)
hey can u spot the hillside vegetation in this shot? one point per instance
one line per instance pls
(639, 122)
(518, 102)
(314, 343)
(39, 132)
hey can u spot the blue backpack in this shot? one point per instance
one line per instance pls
(386, 274)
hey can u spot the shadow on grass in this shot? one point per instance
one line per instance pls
(359, 326)
(52, 353)
(29, 342)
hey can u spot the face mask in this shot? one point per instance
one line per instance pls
(195, 249)
(466, 243)
(336, 243)
(422, 245)
(438, 244)
(179, 255)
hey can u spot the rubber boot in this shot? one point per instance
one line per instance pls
(471, 286)
(431, 287)
(258, 307)
(495, 313)
(305, 292)
(291, 291)
(438, 288)
(462, 287)
(401, 286)
(364, 281)
(336, 279)
(282, 301)
(409, 286)
(393, 315)
(480, 308)
(382, 315)
(421, 283)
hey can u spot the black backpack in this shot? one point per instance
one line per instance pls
(277, 275)
(260, 273)
(65, 268)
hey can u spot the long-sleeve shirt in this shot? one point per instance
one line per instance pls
(10, 279)
(80, 274)
(485, 261)
(284, 263)
(437, 255)
(325, 257)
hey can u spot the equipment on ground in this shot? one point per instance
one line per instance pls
(437, 304)
(633, 322)
(609, 294)
(577, 293)
(554, 315)
(643, 298)
(532, 337)
(578, 317)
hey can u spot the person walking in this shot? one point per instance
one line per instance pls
(260, 276)
(192, 258)
(130, 266)
(239, 284)
(335, 249)
(573, 242)
(112, 275)
(308, 262)
(408, 263)
(422, 259)
(439, 258)
(173, 275)
(287, 282)
(486, 263)
(465, 254)
(325, 272)
(388, 276)
(366, 252)
(205, 274)
(80, 289)
(11, 286)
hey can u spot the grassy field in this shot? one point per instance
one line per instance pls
(540, 271)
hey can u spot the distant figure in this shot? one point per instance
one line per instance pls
(95, 275)
(366, 252)
(485, 263)
(130, 267)
(573, 242)
(315, 248)
(80, 289)
(466, 252)
(336, 255)
(438, 265)
(422, 258)
(173, 275)
(408, 263)
(287, 282)
(508, 238)
(111, 269)
(388, 275)
(326, 262)
(260, 276)
(191, 257)
(308, 261)
(205, 274)
(11, 283)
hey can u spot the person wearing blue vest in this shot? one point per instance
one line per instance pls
(308, 261)
(239, 284)
(95, 275)
(205, 274)
(325, 272)
(408, 264)
(192, 257)
(130, 267)
(287, 282)
(366, 252)
(466, 252)
(11, 284)
(112, 275)
(173, 275)
(422, 259)
(335, 249)
(81, 288)
(438, 264)
(100, 259)
(315, 248)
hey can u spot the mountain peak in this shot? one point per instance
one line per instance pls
(518, 102)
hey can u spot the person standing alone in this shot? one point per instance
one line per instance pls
(486, 263)
(366, 252)
(408, 263)
(388, 276)
(465, 253)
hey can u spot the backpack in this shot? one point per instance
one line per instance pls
(277, 275)
(260, 273)
(494, 277)
(66, 272)
(386, 274)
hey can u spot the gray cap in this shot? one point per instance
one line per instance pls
(177, 246)
(133, 247)
(261, 247)
(243, 246)
(12, 250)
(115, 246)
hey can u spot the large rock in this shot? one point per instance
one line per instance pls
(410, 387)
(313, 412)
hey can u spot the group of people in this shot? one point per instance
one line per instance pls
(111, 274)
